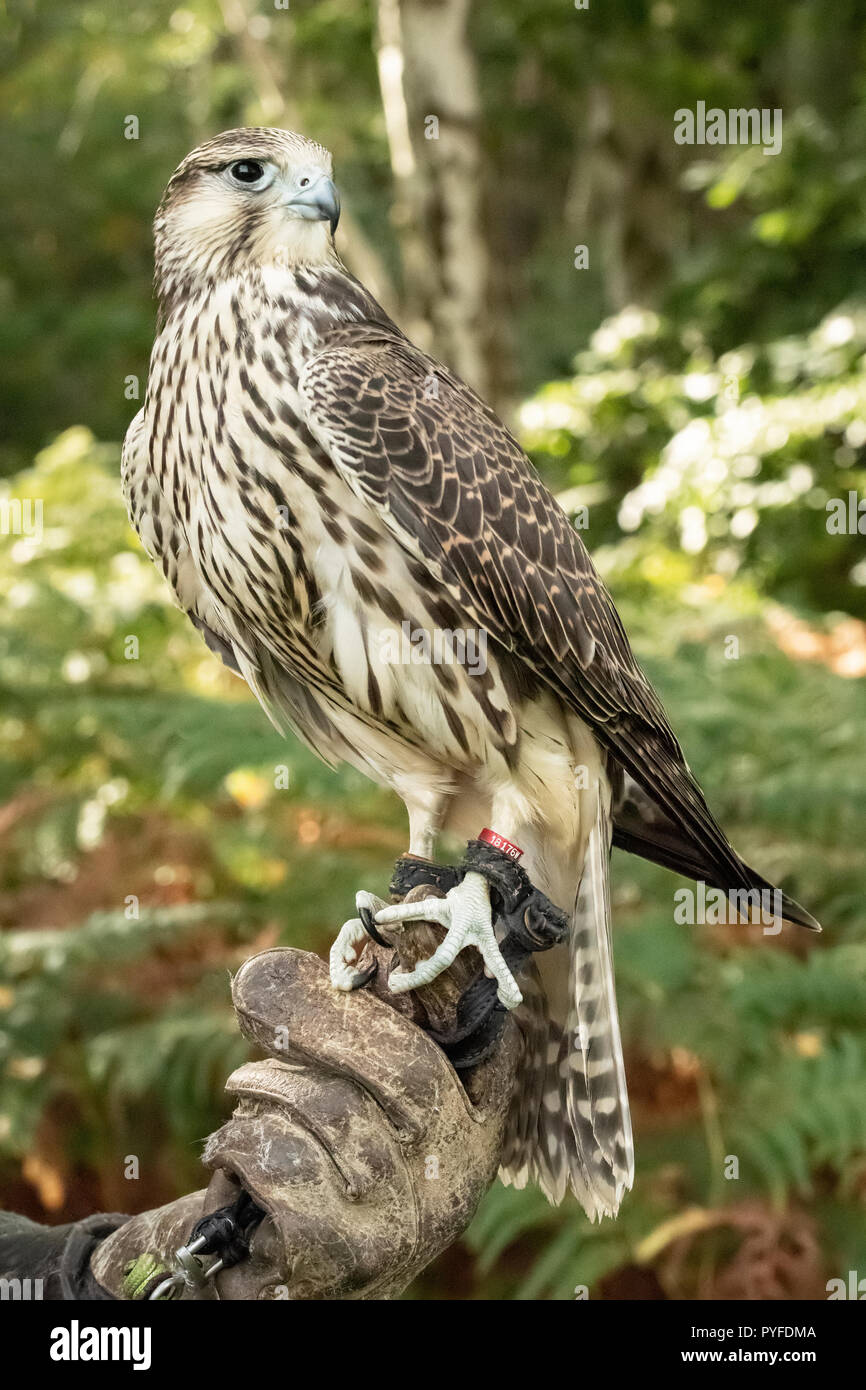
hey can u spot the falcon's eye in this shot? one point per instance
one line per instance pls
(247, 171)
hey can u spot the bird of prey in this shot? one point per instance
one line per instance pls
(314, 487)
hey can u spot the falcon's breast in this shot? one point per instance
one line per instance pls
(270, 549)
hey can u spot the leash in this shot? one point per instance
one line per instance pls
(225, 1234)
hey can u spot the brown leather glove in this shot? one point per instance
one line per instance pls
(355, 1135)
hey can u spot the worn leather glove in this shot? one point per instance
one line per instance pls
(355, 1135)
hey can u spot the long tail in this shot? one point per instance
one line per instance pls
(570, 1125)
(641, 826)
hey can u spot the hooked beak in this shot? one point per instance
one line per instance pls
(318, 203)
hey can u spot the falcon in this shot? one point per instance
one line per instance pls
(314, 488)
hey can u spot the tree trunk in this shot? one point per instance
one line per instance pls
(432, 110)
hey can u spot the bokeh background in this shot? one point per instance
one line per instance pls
(699, 388)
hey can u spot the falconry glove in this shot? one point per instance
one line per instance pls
(355, 1136)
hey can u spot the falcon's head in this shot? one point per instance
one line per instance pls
(246, 198)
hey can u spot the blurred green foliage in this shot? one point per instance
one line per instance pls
(577, 121)
(737, 462)
(697, 398)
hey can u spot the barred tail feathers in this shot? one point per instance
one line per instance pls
(570, 1125)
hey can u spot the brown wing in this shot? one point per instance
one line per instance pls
(456, 488)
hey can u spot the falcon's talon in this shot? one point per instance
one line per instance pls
(363, 977)
(347, 948)
(466, 912)
(367, 911)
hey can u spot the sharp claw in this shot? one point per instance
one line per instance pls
(363, 977)
(369, 921)
(344, 956)
(367, 905)
(368, 902)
